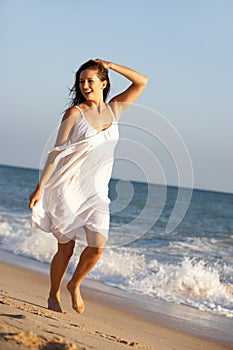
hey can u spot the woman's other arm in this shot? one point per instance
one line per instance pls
(69, 119)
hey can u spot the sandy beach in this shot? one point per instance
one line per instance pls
(109, 322)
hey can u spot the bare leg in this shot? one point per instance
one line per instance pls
(87, 261)
(58, 269)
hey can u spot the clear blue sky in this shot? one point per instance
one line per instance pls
(185, 47)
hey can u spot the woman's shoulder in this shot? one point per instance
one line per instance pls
(72, 114)
(82, 106)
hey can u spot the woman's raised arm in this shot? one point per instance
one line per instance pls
(129, 96)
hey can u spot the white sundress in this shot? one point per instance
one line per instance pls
(76, 194)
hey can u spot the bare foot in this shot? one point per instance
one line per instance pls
(54, 304)
(77, 301)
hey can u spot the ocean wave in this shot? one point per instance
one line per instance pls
(193, 283)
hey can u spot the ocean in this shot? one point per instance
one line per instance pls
(152, 250)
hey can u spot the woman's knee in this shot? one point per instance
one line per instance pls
(97, 251)
(66, 249)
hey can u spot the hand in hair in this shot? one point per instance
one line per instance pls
(106, 64)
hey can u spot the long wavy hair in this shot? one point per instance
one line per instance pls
(102, 73)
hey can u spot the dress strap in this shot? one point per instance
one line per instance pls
(111, 111)
(78, 109)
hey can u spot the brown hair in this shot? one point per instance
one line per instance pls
(102, 74)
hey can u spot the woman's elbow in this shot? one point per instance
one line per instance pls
(145, 80)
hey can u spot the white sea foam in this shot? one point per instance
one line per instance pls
(17, 236)
(191, 282)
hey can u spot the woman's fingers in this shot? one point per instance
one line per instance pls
(34, 199)
(32, 203)
(104, 63)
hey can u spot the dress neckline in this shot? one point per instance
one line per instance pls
(91, 126)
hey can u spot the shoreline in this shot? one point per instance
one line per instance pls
(120, 317)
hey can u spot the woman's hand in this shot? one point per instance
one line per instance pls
(123, 100)
(34, 198)
(106, 64)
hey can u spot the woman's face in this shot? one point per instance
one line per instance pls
(91, 86)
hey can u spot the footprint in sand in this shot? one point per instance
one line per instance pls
(80, 326)
(19, 317)
(122, 341)
(36, 310)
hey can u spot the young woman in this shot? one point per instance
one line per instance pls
(71, 198)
